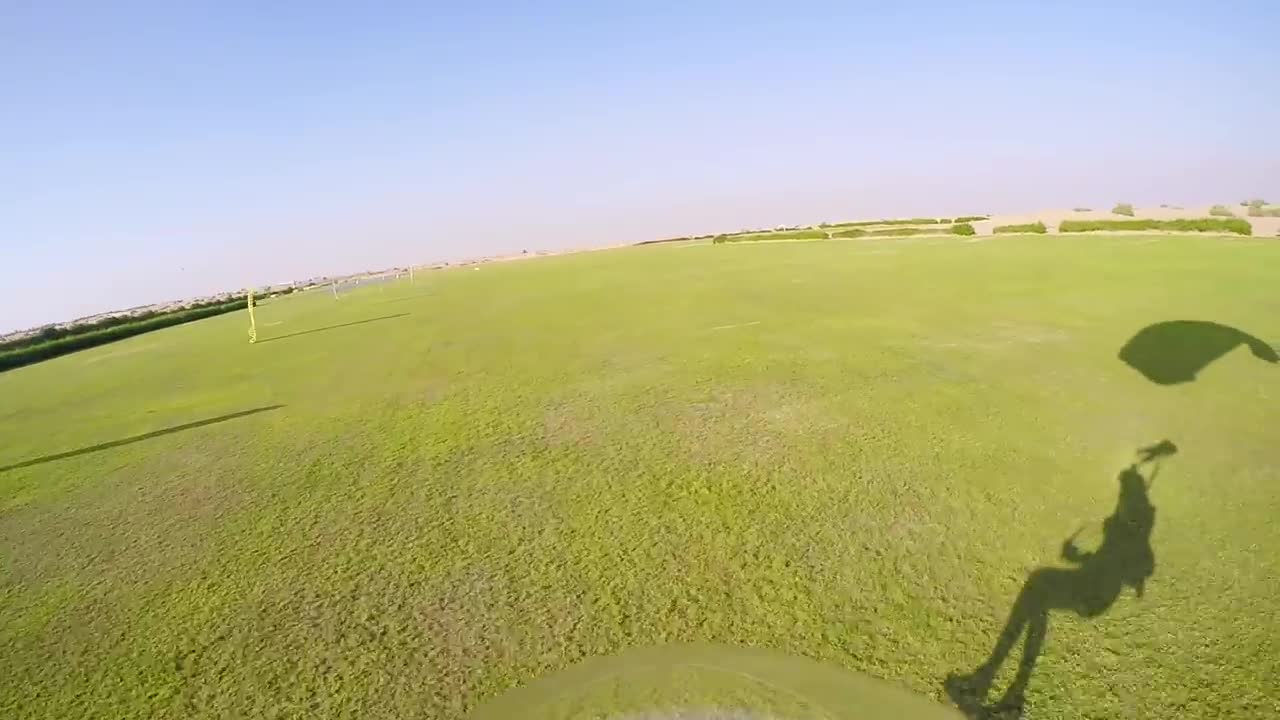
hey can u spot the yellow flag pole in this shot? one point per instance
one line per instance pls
(253, 322)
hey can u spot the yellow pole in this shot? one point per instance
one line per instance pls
(253, 323)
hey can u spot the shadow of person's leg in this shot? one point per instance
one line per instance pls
(970, 691)
(1037, 629)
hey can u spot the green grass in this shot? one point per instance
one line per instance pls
(827, 449)
(1036, 228)
(1207, 225)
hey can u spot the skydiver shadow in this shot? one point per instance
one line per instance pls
(1124, 558)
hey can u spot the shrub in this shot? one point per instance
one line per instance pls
(1036, 227)
(49, 334)
(29, 354)
(1221, 211)
(972, 218)
(899, 232)
(901, 221)
(657, 242)
(944, 221)
(852, 232)
(778, 235)
(719, 239)
(1231, 225)
(963, 228)
(1123, 209)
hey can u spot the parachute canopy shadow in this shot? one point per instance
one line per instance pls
(1175, 351)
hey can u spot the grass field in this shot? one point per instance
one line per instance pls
(403, 502)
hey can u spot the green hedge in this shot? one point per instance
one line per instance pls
(885, 232)
(852, 232)
(971, 218)
(779, 235)
(1035, 227)
(49, 334)
(1230, 225)
(900, 221)
(901, 232)
(963, 228)
(29, 354)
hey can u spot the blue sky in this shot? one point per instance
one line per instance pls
(152, 151)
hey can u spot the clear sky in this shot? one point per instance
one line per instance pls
(153, 151)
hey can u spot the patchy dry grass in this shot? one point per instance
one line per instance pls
(559, 458)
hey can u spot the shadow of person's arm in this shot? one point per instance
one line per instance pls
(1070, 552)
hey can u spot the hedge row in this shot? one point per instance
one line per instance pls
(900, 221)
(51, 333)
(53, 348)
(1035, 227)
(959, 229)
(1231, 225)
(900, 232)
(780, 235)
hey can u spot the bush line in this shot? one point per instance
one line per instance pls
(1231, 225)
(50, 349)
(900, 221)
(1036, 227)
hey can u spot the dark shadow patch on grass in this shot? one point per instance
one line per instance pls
(1125, 558)
(333, 327)
(414, 296)
(137, 438)
(1168, 353)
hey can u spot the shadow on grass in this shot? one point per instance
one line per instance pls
(333, 327)
(138, 438)
(1172, 352)
(403, 298)
(1125, 558)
